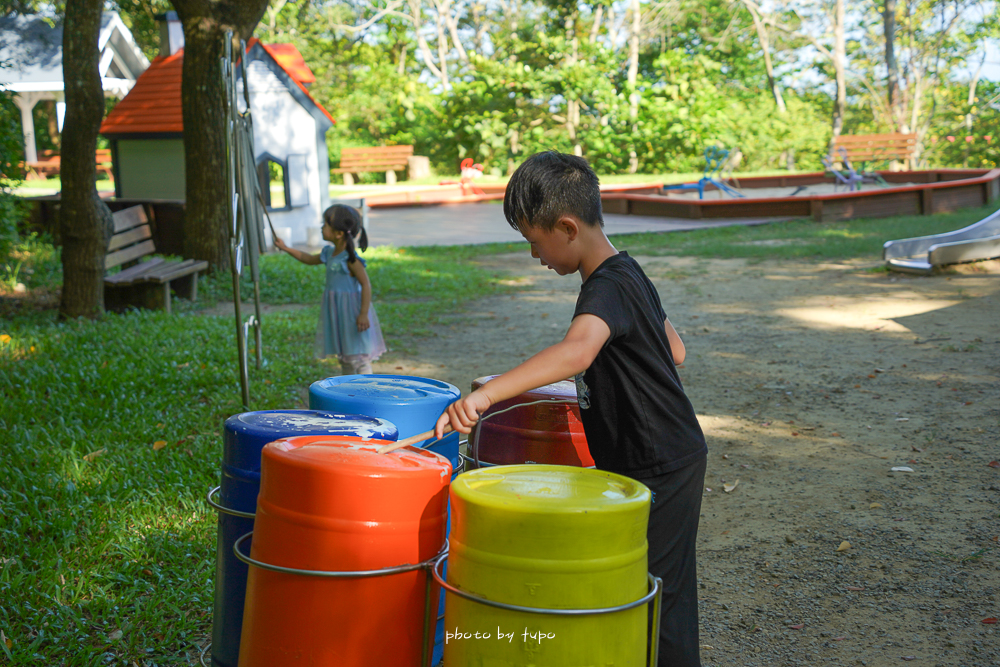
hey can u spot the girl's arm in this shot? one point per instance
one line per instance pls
(303, 257)
(357, 269)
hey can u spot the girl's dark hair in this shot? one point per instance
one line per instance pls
(548, 185)
(346, 219)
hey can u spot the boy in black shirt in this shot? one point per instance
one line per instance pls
(622, 351)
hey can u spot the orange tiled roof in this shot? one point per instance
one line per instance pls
(153, 106)
(291, 61)
(154, 103)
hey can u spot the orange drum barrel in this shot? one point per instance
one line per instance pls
(541, 433)
(332, 504)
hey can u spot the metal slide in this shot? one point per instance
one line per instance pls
(921, 254)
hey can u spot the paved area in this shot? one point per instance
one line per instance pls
(466, 224)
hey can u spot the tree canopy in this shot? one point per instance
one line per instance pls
(497, 80)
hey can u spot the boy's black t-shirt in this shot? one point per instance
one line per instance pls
(636, 416)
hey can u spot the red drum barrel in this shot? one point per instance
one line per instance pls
(334, 505)
(541, 433)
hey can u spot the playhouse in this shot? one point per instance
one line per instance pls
(32, 46)
(146, 132)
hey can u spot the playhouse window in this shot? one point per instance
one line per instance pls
(272, 174)
(284, 184)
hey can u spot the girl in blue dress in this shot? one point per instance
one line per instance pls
(348, 325)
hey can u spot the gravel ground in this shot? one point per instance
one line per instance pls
(812, 381)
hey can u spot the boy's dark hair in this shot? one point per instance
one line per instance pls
(548, 185)
(346, 219)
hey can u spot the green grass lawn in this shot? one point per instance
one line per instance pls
(110, 430)
(800, 238)
(35, 188)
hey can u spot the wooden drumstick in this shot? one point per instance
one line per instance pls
(412, 440)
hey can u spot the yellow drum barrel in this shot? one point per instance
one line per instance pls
(548, 537)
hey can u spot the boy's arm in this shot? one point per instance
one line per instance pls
(573, 354)
(676, 344)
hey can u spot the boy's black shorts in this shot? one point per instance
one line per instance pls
(673, 531)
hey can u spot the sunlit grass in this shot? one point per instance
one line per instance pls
(107, 548)
(858, 239)
(36, 187)
(32, 262)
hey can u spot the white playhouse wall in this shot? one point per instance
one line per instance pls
(284, 129)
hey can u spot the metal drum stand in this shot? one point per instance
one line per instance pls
(361, 574)
(473, 458)
(231, 512)
(654, 595)
(226, 510)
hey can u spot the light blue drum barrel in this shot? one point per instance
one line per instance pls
(244, 436)
(413, 404)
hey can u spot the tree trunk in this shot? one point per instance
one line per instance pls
(839, 66)
(572, 104)
(85, 222)
(416, 17)
(973, 84)
(206, 228)
(612, 28)
(595, 27)
(765, 47)
(442, 47)
(633, 77)
(892, 83)
(444, 8)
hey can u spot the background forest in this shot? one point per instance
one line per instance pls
(638, 86)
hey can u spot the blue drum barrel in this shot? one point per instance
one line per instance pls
(244, 436)
(413, 404)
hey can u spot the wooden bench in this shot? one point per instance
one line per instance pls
(144, 284)
(46, 165)
(378, 158)
(50, 163)
(869, 149)
(103, 159)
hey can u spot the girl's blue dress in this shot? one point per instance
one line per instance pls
(338, 333)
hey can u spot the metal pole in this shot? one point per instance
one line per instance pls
(425, 656)
(654, 639)
(241, 343)
(256, 328)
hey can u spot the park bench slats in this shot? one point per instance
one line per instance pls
(119, 257)
(124, 277)
(126, 238)
(876, 147)
(171, 270)
(148, 283)
(50, 163)
(129, 218)
(373, 158)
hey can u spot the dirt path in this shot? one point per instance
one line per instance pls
(812, 381)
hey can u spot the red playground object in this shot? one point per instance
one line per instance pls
(541, 433)
(334, 505)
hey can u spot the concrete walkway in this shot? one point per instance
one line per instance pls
(467, 224)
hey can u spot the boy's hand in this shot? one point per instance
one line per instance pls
(363, 323)
(463, 413)
(279, 244)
